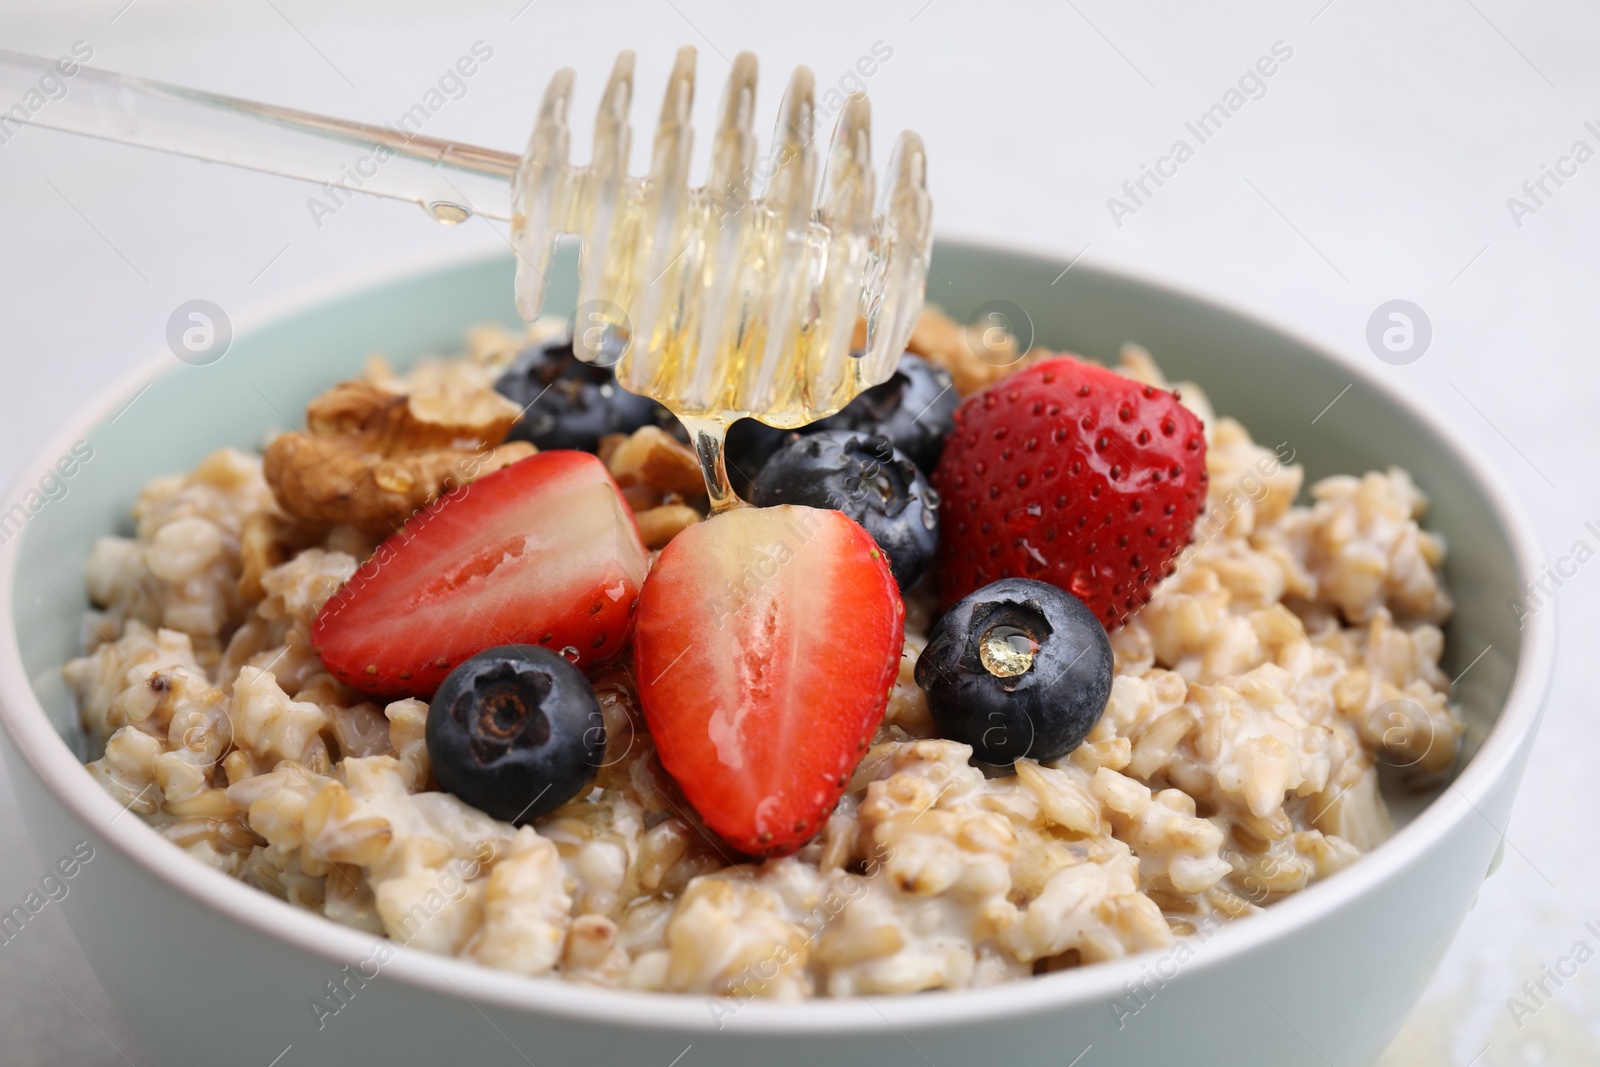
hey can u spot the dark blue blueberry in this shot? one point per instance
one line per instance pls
(914, 409)
(572, 404)
(867, 478)
(1018, 668)
(515, 731)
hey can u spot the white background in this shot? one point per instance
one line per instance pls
(1377, 166)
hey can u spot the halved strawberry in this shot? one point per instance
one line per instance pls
(766, 644)
(542, 552)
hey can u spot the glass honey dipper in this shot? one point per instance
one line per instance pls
(718, 301)
(721, 304)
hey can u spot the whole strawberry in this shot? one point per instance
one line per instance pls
(1071, 474)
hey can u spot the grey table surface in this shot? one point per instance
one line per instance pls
(1380, 161)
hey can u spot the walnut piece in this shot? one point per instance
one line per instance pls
(377, 449)
(659, 525)
(653, 460)
(976, 355)
(450, 414)
(660, 479)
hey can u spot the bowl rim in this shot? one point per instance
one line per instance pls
(52, 760)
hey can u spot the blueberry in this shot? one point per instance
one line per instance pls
(867, 478)
(1018, 668)
(515, 731)
(570, 403)
(914, 409)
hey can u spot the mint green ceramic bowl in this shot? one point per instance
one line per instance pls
(207, 970)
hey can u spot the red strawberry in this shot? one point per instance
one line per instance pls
(766, 645)
(544, 552)
(1074, 475)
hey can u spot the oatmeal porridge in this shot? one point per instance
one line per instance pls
(1254, 684)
